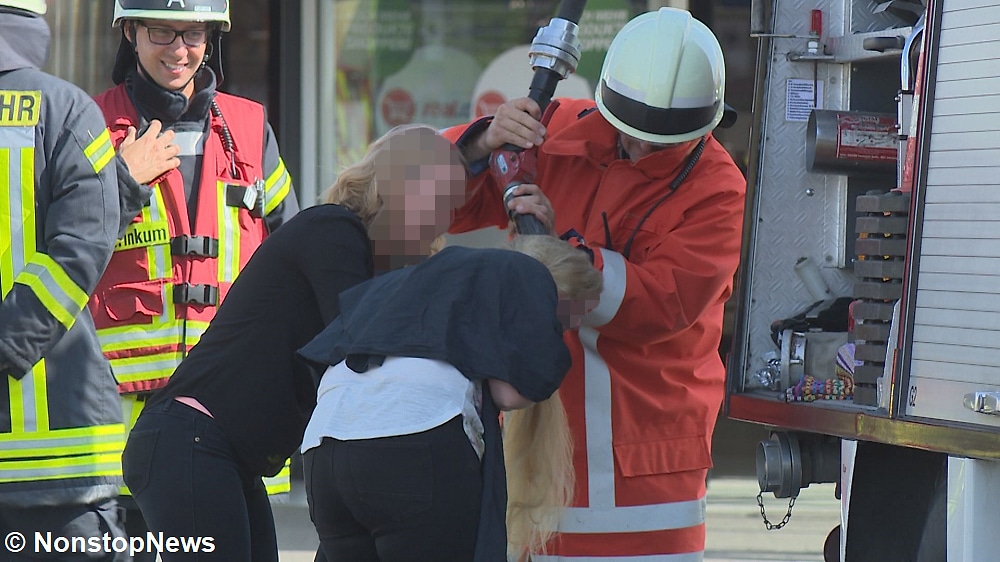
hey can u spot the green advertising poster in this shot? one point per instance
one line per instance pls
(444, 62)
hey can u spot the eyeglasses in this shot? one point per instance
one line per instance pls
(167, 36)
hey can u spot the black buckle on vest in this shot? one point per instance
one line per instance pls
(186, 293)
(204, 246)
(247, 197)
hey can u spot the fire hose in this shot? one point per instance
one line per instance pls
(554, 55)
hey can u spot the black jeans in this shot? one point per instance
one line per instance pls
(411, 498)
(185, 478)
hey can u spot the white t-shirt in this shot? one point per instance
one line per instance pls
(404, 395)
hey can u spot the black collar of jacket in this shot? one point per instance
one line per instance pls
(154, 102)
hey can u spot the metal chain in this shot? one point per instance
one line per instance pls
(784, 520)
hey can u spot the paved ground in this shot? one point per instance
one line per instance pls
(736, 531)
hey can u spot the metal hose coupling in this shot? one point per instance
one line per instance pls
(556, 47)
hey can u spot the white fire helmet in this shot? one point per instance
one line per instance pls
(213, 11)
(663, 78)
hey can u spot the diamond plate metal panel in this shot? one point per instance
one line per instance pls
(800, 214)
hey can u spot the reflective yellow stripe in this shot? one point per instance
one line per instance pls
(29, 401)
(41, 394)
(63, 442)
(229, 237)
(20, 108)
(280, 483)
(29, 231)
(61, 468)
(276, 187)
(17, 203)
(158, 259)
(18, 237)
(143, 365)
(100, 151)
(154, 335)
(32, 451)
(6, 222)
(131, 408)
(165, 330)
(63, 298)
(130, 337)
(145, 368)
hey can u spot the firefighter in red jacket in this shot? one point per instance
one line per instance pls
(209, 182)
(641, 184)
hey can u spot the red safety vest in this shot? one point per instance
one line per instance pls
(166, 279)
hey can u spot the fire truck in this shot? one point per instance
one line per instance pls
(866, 331)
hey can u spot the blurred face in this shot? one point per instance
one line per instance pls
(572, 311)
(420, 199)
(170, 51)
(637, 149)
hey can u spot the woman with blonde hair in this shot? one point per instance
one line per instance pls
(424, 182)
(403, 456)
(236, 407)
(538, 449)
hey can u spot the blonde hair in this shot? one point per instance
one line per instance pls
(538, 453)
(356, 187)
(538, 448)
(570, 267)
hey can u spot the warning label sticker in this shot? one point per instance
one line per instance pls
(867, 137)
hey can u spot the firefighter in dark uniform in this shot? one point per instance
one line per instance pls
(60, 420)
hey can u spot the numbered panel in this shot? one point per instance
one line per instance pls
(956, 323)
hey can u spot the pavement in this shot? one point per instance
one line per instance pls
(736, 530)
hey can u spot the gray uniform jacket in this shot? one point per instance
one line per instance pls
(60, 418)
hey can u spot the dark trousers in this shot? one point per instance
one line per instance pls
(185, 478)
(411, 498)
(135, 526)
(68, 521)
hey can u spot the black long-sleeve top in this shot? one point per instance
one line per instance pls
(244, 369)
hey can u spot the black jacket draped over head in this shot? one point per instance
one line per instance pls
(489, 313)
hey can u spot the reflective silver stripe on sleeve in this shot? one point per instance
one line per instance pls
(614, 290)
(63, 298)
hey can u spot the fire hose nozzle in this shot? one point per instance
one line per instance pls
(556, 47)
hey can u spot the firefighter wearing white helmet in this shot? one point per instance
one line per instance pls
(638, 182)
(663, 79)
(60, 420)
(213, 12)
(204, 184)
